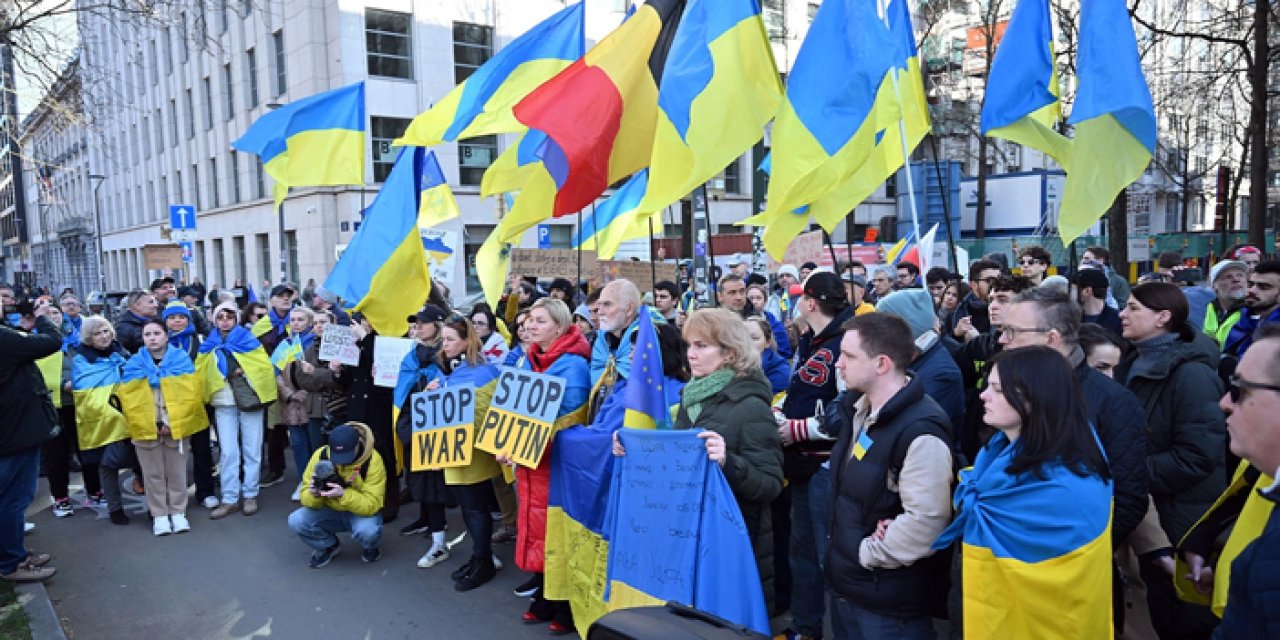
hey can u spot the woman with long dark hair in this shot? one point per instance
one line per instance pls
(1034, 512)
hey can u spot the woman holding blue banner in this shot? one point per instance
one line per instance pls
(1033, 515)
(162, 398)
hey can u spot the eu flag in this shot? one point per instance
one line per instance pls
(646, 401)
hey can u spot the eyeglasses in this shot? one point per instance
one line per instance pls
(1027, 261)
(1012, 331)
(1236, 387)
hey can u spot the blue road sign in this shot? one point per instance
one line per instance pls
(544, 236)
(188, 252)
(182, 216)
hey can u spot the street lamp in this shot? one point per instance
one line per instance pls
(284, 251)
(97, 231)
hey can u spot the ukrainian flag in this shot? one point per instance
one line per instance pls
(183, 390)
(894, 253)
(51, 371)
(384, 269)
(1036, 549)
(437, 250)
(291, 348)
(99, 421)
(436, 203)
(646, 401)
(616, 221)
(483, 103)
(1115, 122)
(719, 88)
(315, 141)
(213, 363)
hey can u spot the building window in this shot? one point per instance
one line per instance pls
(813, 11)
(472, 47)
(155, 62)
(237, 248)
(384, 156)
(195, 186)
(167, 41)
(474, 156)
(732, 178)
(223, 19)
(159, 132)
(263, 242)
(775, 18)
(474, 237)
(230, 91)
(184, 50)
(189, 110)
(177, 187)
(218, 272)
(208, 104)
(234, 164)
(291, 244)
(251, 78)
(891, 186)
(214, 198)
(173, 120)
(202, 262)
(260, 179)
(277, 43)
(387, 40)
(146, 136)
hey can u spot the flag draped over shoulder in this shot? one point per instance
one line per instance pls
(93, 383)
(1114, 119)
(1040, 543)
(217, 353)
(675, 531)
(182, 388)
(483, 103)
(384, 272)
(315, 141)
(646, 401)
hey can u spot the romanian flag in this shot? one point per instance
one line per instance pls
(214, 363)
(182, 387)
(436, 203)
(1114, 119)
(99, 421)
(1036, 549)
(482, 104)
(315, 141)
(615, 221)
(719, 87)
(646, 401)
(1021, 102)
(384, 272)
(828, 125)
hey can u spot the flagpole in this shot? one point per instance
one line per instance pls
(946, 206)
(835, 264)
(902, 137)
(653, 266)
(593, 217)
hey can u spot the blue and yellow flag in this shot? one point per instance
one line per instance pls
(719, 88)
(217, 353)
(646, 401)
(1114, 119)
(312, 142)
(482, 104)
(1021, 102)
(615, 221)
(384, 272)
(894, 253)
(182, 388)
(436, 204)
(1036, 549)
(291, 348)
(99, 421)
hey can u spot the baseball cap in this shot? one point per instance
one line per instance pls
(187, 291)
(344, 444)
(280, 289)
(158, 282)
(809, 265)
(826, 286)
(429, 313)
(1221, 267)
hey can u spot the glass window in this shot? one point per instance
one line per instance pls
(218, 272)
(189, 110)
(167, 40)
(388, 43)
(195, 186)
(208, 103)
(732, 178)
(183, 49)
(291, 243)
(474, 236)
(214, 198)
(155, 62)
(260, 179)
(474, 156)
(159, 122)
(237, 248)
(384, 156)
(230, 91)
(263, 242)
(234, 166)
(251, 78)
(472, 47)
(277, 43)
(223, 18)
(173, 120)
(146, 136)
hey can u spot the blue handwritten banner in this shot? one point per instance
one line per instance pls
(675, 531)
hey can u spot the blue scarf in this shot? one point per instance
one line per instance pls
(279, 325)
(142, 365)
(182, 339)
(238, 340)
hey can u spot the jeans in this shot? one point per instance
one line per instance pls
(474, 500)
(859, 624)
(809, 528)
(304, 439)
(240, 438)
(318, 528)
(19, 473)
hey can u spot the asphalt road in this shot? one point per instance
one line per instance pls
(247, 577)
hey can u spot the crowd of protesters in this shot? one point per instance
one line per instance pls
(841, 404)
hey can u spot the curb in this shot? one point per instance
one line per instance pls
(44, 620)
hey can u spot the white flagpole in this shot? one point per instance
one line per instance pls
(902, 137)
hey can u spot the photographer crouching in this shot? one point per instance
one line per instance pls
(344, 489)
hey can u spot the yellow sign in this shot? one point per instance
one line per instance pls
(523, 438)
(442, 447)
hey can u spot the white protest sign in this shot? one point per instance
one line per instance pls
(338, 344)
(442, 252)
(388, 353)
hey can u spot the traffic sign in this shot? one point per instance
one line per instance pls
(182, 216)
(544, 236)
(188, 252)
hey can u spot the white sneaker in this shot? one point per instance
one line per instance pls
(296, 496)
(211, 502)
(497, 564)
(161, 526)
(180, 524)
(434, 556)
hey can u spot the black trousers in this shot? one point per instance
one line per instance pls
(58, 452)
(475, 500)
(202, 463)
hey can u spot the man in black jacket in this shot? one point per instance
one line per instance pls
(891, 488)
(27, 422)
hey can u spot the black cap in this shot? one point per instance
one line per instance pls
(1092, 278)
(344, 444)
(188, 291)
(281, 288)
(429, 313)
(826, 286)
(158, 282)
(562, 284)
(809, 265)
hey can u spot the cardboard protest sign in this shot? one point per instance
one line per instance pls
(639, 273)
(521, 418)
(552, 263)
(443, 427)
(807, 247)
(338, 344)
(388, 353)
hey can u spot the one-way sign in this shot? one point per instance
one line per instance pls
(182, 216)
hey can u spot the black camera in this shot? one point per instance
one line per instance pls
(325, 474)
